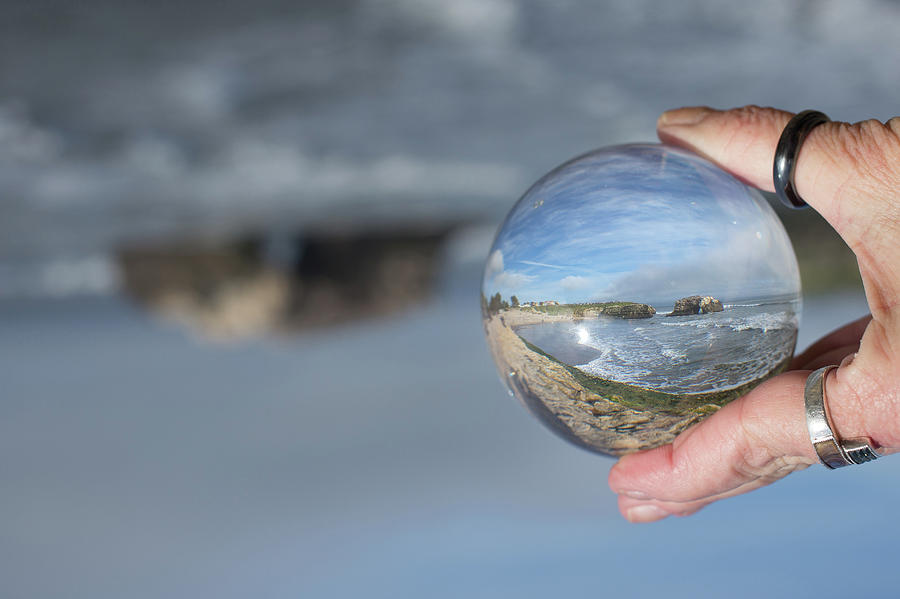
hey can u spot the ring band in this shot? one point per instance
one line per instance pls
(786, 152)
(832, 451)
(817, 422)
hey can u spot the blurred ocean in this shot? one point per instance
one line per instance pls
(380, 459)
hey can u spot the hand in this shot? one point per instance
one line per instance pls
(850, 174)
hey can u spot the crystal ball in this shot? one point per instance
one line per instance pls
(635, 290)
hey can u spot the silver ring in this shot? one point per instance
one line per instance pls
(789, 144)
(831, 449)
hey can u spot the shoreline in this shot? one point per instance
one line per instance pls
(516, 317)
(600, 415)
(551, 392)
(644, 398)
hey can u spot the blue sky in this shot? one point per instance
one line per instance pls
(641, 223)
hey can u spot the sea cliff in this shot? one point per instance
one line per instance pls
(696, 304)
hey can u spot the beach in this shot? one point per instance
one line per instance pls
(551, 361)
(554, 394)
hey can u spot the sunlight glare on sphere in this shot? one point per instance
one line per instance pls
(635, 290)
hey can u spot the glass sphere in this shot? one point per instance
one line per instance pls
(633, 291)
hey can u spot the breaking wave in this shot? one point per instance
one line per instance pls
(686, 354)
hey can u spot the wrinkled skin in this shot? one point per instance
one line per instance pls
(850, 174)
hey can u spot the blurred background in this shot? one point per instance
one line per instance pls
(240, 252)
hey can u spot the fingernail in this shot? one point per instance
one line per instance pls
(645, 513)
(683, 116)
(635, 494)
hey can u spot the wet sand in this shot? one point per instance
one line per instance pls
(568, 353)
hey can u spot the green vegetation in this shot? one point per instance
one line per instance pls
(563, 309)
(493, 305)
(620, 309)
(640, 398)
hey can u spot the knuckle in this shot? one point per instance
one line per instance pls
(756, 119)
(894, 126)
(864, 395)
(757, 457)
(753, 461)
(759, 462)
(750, 115)
(754, 457)
(741, 130)
(864, 158)
(872, 148)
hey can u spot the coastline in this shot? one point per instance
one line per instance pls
(520, 316)
(601, 415)
(647, 399)
(591, 420)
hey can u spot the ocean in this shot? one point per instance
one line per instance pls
(676, 354)
(377, 460)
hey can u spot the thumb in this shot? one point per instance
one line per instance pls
(849, 173)
(749, 443)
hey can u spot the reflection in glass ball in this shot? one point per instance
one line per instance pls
(635, 290)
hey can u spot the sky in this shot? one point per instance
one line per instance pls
(644, 223)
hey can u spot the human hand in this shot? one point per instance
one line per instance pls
(850, 174)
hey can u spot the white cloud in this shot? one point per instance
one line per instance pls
(478, 21)
(494, 264)
(512, 279)
(574, 283)
(747, 264)
(498, 278)
(544, 264)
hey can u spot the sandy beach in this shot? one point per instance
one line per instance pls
(518, 317)
(574, 412)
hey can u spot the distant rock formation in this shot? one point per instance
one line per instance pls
(628, 310)
(710, 304)
(695, 304)
(686, 306)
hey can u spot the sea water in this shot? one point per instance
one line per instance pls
(676, 354)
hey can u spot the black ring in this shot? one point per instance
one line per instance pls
(786, 154)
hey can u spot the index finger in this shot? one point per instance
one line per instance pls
(847, 172)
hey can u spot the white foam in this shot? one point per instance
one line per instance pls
(766, 321)
(689, 355)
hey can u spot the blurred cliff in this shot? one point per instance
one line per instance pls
(256, 286)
